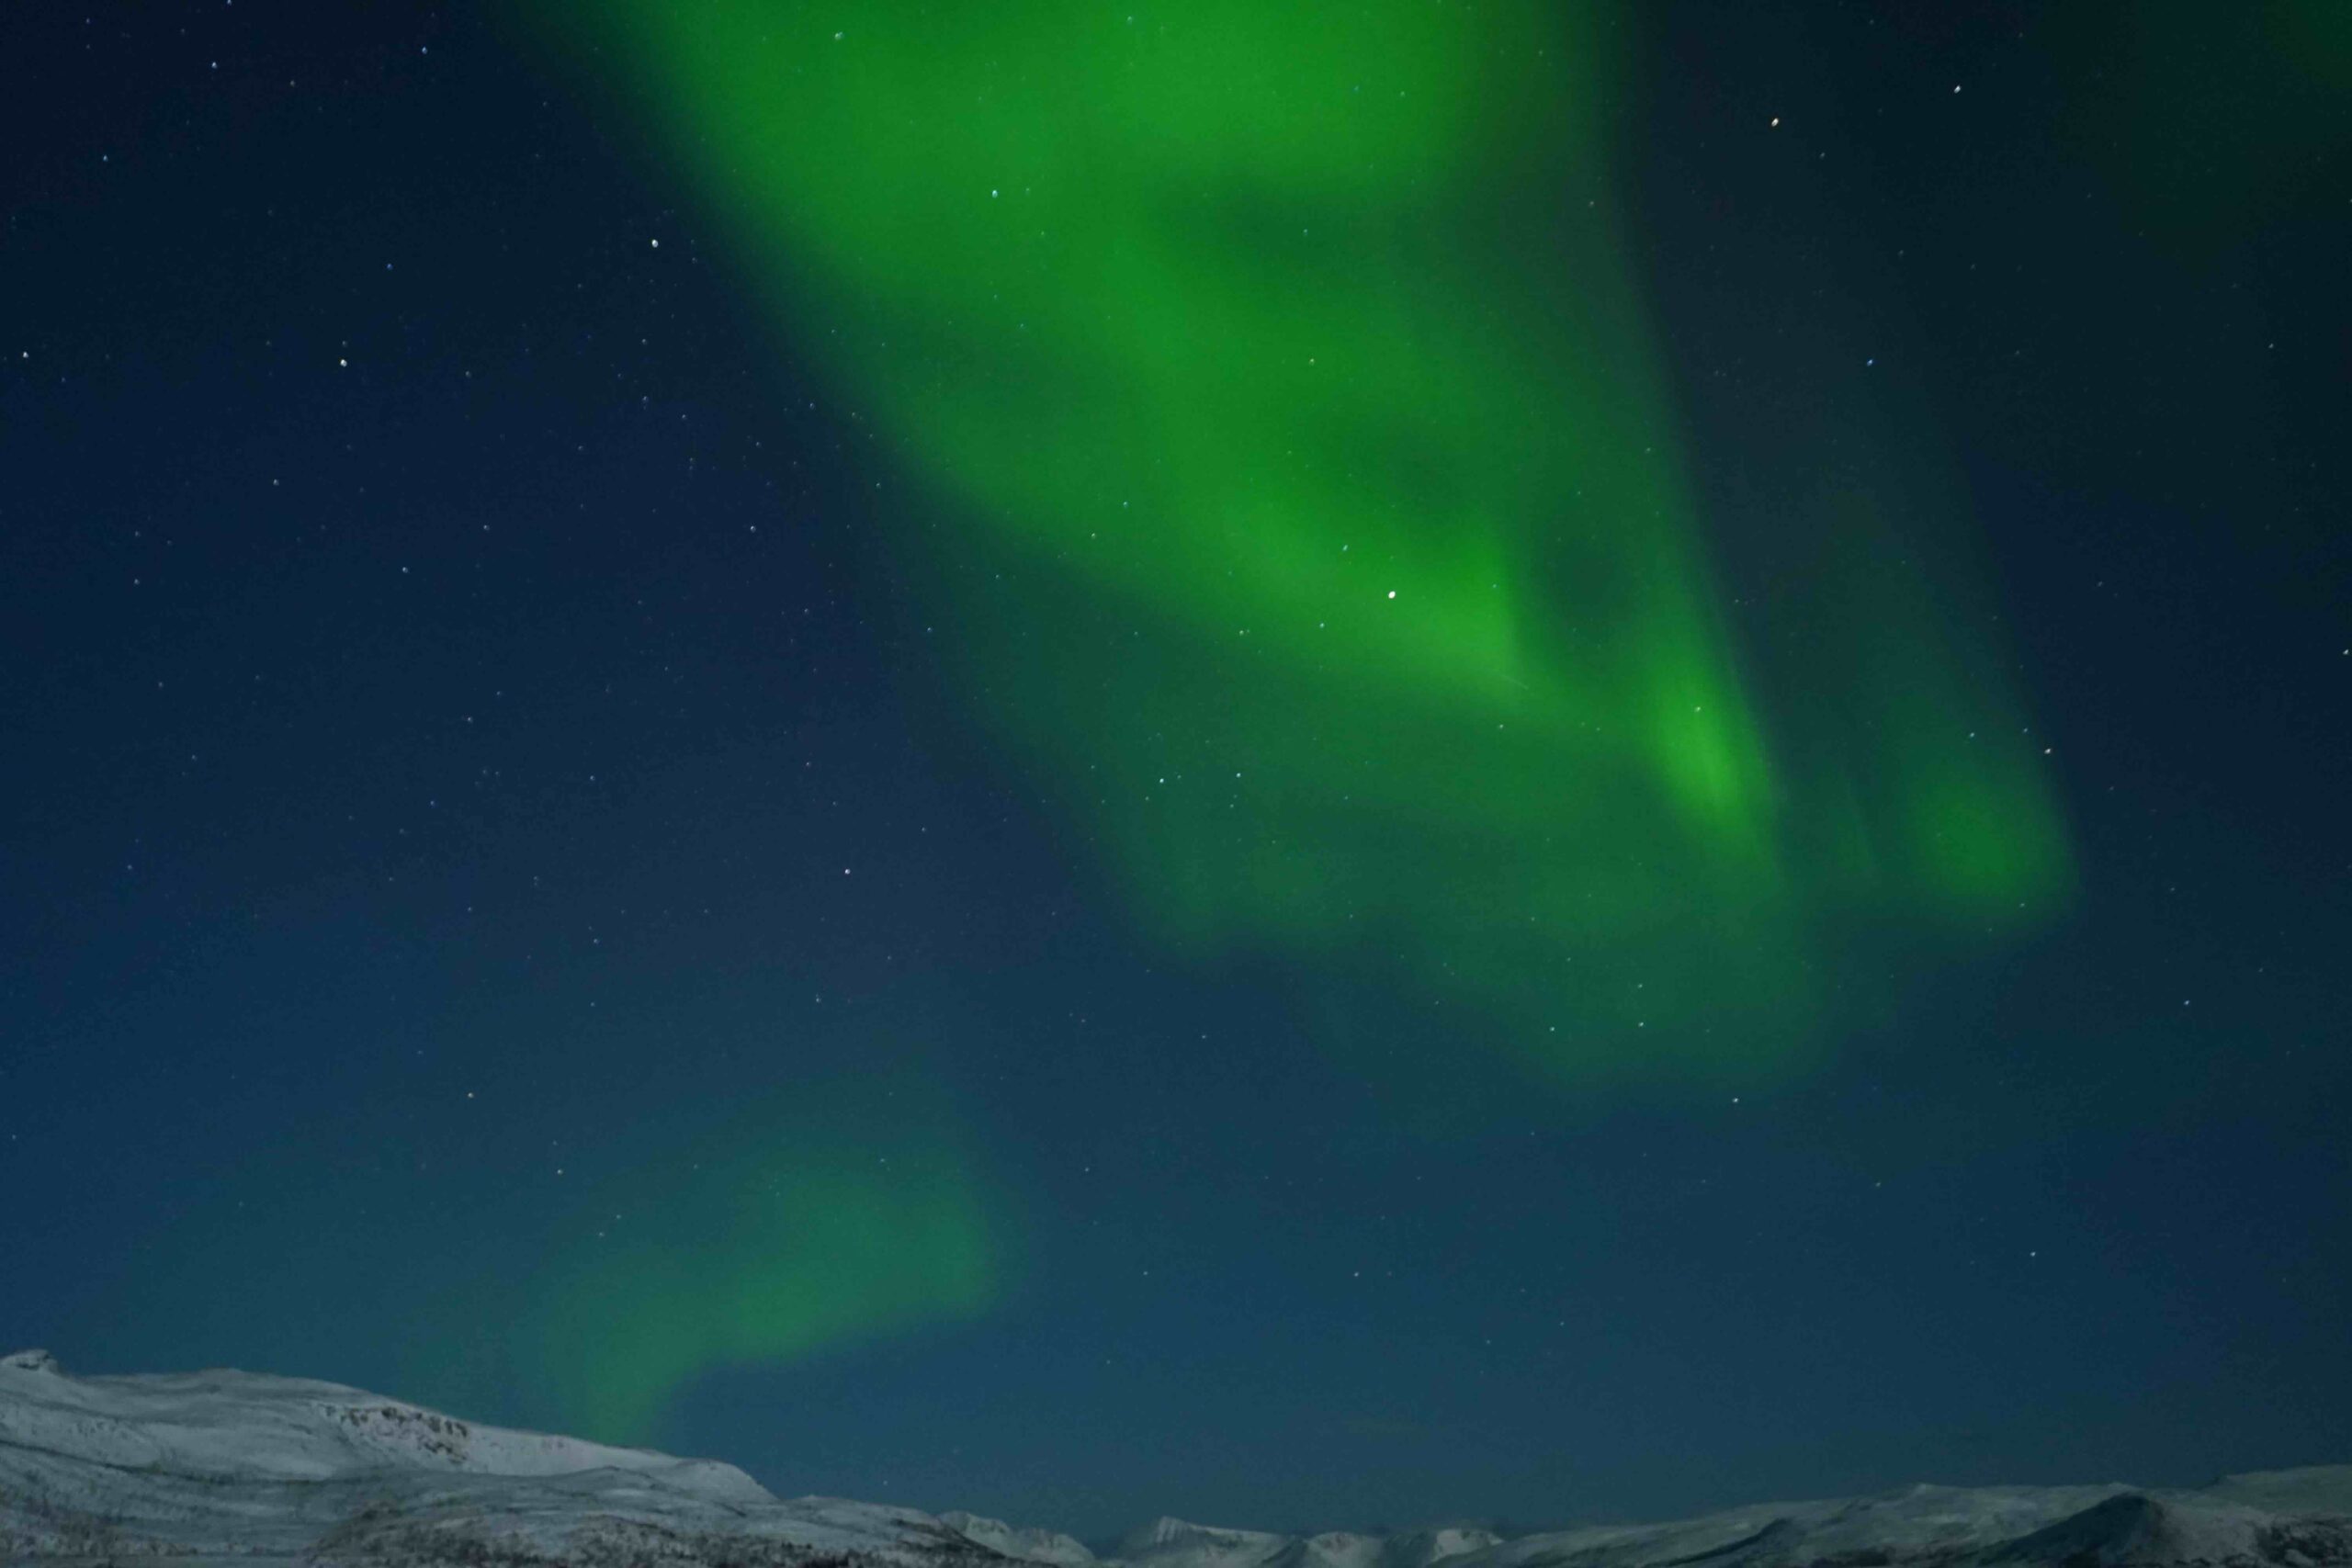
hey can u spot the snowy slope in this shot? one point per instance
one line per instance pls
(1175, 1543)
(1027, 1545)
(222, 1465)
(2290, 1520)
(2299, 1518)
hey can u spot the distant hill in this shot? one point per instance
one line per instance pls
(219, 1468)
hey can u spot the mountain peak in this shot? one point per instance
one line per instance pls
(231, 1465)
(1023, 1545)
(260, 1470)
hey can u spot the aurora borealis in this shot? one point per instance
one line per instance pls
(1316, 768)
(1295, 474)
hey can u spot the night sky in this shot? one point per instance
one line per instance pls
(1312, 767)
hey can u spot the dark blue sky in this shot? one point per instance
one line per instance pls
(450, 665)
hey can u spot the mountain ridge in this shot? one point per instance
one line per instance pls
(216, 1467)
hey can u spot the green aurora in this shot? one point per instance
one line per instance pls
(1452, 595)
(1302, 503)
(824, 1219)
(844, 1208)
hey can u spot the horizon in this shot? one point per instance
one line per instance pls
(1501, 1531)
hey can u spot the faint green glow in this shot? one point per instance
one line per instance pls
(581, 1284)
(823, 1221)
(1303, 501)
(2207, 123)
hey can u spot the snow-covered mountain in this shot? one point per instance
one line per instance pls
(2289, 1518)
(1022, 1545)
(222, 1466)
(216, 1468)
(1173, 1543)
